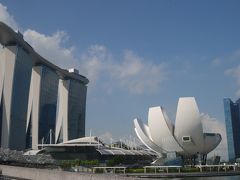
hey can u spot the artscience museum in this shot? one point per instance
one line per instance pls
(186, 138)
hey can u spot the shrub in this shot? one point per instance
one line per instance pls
(115, 161)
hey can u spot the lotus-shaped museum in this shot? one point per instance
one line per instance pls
(185, 138)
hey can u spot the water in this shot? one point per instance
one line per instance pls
(206, 178)
(2, 177)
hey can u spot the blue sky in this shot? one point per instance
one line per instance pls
(138, 54)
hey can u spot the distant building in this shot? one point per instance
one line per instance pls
(232, 120)
(39, 102)
(92, 148)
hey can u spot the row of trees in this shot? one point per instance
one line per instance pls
(65, 164)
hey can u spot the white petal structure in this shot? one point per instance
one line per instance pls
(188, 126)
(161, 129)
(186, 138)
(143, 134)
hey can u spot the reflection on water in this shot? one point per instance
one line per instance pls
(206, 178)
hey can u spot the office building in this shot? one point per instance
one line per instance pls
(232, 121)
(39, 102)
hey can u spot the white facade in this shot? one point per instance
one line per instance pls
(7, 75)
(62, 111)
(33, 104)
(12, 91)
(39, 102)
(185, 138)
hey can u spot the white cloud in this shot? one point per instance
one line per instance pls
(235, 73)
(7, 18)
(95, 62)
(132, 73)
(52, 47)
(212, 125)
(137, 74)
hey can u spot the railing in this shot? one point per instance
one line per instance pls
(210, 167)
(123, 169)
(162, 168)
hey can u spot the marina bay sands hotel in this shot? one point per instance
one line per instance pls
(37, 97)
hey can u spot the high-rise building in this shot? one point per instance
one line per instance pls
(39, 102)
(232, 121)
(15, 76)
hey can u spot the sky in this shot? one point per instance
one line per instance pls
(138, 54)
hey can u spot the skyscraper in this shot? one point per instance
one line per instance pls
(15, 76)
(37, 98)
(232, 121)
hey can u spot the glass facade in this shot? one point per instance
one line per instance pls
(30, 95)
(20, 91)
(76, 109)
(48, 103)
(232, 120)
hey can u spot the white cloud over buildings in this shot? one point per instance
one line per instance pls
(6, 17)
(51, 47)
(131, 72)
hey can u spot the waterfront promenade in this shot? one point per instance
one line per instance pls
(55, 174)
(183, 175)
(49, 174)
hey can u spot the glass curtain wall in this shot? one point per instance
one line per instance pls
(76, 109)
(20, 91)
(232, 120)
(48, 103)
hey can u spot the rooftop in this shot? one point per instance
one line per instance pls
(9, 37)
